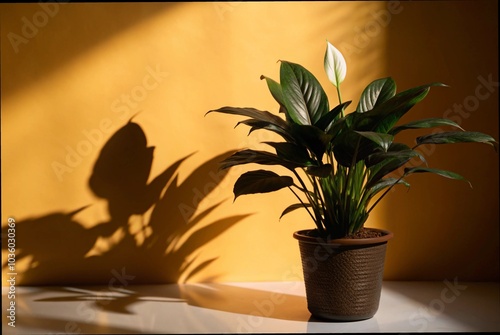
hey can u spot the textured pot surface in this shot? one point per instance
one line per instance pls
(343, 277)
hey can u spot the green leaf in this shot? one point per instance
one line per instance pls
(375, 93)
(341, 126)
(248, 156)
(351, 147)
(456, 137)
(326, 120)
(253, 113)
(425, 123)
(293, 207)
(259, 120)
(388, 162)
(260, 181)
(322, 171)
(304, 98)
(313, 138)
(275, 89)
(381, 139)
(384, 183)
(385, 115)
(257, 124)
(335, 65)
(443, 173)
(344, 146)
(292, 153)
(395, 150)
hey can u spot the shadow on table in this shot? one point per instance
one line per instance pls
(248, 301)
(57, 325)
(251, 304)
(220, 297)
(476, 307)
(259, 303)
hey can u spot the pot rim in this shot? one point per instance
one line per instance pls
(387, 235)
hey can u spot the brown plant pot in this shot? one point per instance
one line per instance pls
(343, 277)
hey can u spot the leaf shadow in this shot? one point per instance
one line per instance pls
(56, 247)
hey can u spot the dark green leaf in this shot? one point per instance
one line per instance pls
(260, 181)
(456, 137)
(313, 138)
(384, 183)
(395, 150)
(257, 124)
(381, 139)
(425, 123)
(275, 89)
(375, 93)
(322, 171)
(257, 157)
(350, 147)
(390, 162)
(293, 207)
(291, 152)
(443, 173)
(385, 115)
(344, 147)
(304, 98)
(254, 114)
(339, 126)
(326, 120)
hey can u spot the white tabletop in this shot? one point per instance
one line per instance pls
(257, 307)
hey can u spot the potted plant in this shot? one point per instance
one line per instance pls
(340, 165)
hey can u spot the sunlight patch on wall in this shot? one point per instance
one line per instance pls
(103, 245)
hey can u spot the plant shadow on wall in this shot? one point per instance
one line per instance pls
(166, 247)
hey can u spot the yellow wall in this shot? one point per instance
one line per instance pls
(73, 75)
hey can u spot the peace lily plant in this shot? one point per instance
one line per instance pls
(338, 162)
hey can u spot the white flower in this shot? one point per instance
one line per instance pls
(335, 65)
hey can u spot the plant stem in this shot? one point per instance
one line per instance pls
(320, 192)
(340, 99)
(348, 183)
(303, 204)
(313, 203)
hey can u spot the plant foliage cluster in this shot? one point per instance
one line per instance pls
(338, 162)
